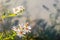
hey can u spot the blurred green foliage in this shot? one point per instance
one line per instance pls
(7, 35)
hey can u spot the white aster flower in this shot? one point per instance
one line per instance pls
(27, 29)
(20, 34)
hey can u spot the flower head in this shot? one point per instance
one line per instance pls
(18, 10)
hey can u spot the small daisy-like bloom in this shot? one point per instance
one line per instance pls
(27, 29)
(18, 31)
(20, 34)
(18, 10)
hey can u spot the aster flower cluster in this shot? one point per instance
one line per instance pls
(18, 10)
(22, 29)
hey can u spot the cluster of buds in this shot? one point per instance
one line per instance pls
(22, 29)
(18, 10)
